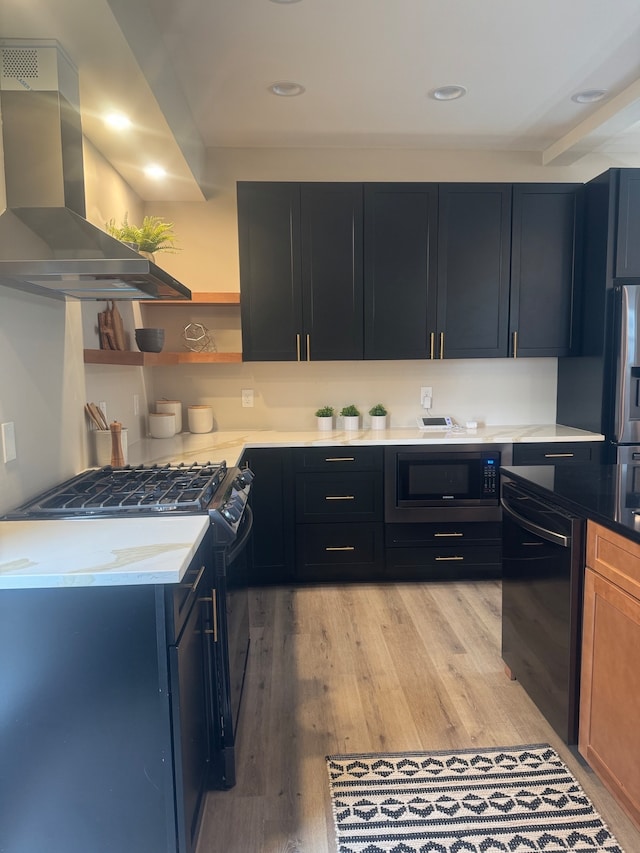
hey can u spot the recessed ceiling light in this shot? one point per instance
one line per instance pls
(153, 170)
(286, 89)
(589, 96)
(448, 93)
(119, 121)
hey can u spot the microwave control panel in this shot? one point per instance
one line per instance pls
(490, 465)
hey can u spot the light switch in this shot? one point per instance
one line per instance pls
(8, 433)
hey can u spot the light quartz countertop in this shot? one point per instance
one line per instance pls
(111, 552)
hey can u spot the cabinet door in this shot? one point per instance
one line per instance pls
(609, 736)
(270, 285)
(400, 227)
(271, 552)
(546, 225)
(332, 271)
(474, 245)
(627, 244)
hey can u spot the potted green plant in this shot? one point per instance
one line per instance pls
(351, 417)
(378, 416)
(324, 417)
(154, 235)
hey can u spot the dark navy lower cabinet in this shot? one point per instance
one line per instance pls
(105, 716)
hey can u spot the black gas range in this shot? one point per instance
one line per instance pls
(172, 489)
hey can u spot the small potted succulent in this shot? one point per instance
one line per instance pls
(324, 417)
(378, 416)
(351, 417)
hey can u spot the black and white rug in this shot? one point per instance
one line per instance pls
(517, 799)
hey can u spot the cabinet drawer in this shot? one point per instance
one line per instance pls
(443, 563)
(196, 582)
(339, 551)
(338, 459)
(556, 453)
(442, 535)
(614, 557)
(336, 497)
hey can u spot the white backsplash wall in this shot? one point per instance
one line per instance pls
(491, 391)
(41, 392)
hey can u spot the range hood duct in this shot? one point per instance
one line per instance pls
(47, 246)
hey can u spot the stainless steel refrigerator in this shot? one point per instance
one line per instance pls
(600, 391)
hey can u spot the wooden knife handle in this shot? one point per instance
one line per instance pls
(117, 456)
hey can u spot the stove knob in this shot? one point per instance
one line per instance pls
(244, 478)
(231, 511)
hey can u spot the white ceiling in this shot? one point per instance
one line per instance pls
(195, 74)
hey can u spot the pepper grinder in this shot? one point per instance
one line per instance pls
(117, 456)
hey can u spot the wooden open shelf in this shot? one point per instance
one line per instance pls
(222, 297)
(157, 359)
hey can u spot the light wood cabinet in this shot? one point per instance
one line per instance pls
(609, 737)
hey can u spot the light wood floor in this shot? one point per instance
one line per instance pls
(368, 668)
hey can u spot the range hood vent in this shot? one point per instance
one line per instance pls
(46, 243)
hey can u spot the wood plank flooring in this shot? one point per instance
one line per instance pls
(368, 668)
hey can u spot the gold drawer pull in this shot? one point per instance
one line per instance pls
(340, 498)
(559, 455)
(340, 548)
(444, 559)
(340, 459)
(298, 346)
(448, 534)
(214, 616)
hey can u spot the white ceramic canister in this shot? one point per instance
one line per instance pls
(171, 406)
(102, 446)
(200, 418)
(162, 424)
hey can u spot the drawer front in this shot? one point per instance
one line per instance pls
(196, 583)
(556, 453)
(443, 563)
(337, 459)
(442, 535)
(336, 497)
(614, 557)
(339, 551)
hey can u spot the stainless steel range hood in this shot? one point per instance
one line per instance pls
(46, 243)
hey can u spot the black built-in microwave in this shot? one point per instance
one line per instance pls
(425, 483)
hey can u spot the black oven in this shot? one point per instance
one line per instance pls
(442, 483)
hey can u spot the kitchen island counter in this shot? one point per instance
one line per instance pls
(98, 552)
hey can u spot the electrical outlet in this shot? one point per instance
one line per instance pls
(8, 434)
(136, 404)
(247, 398)
(426, 394)
(103, 408)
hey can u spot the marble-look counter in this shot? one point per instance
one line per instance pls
(98, 552)
(230, 444)
(92, 552)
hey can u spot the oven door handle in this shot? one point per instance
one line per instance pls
(240, 543)
(530, 527)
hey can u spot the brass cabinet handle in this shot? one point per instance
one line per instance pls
(339, 498)
(308, 347)
(559, 455)
(340, 459)
(515, 344)
(340, 548)
(448, 534)
(441, 344)
(444, 559)
(298, 346)
(432, 342)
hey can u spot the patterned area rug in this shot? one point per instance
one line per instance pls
(514, 799)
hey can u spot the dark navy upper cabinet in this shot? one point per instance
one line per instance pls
(547, 222)
(400, 234)
(270, 273)
(300, 271)
(474, 250)
(627, 243)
